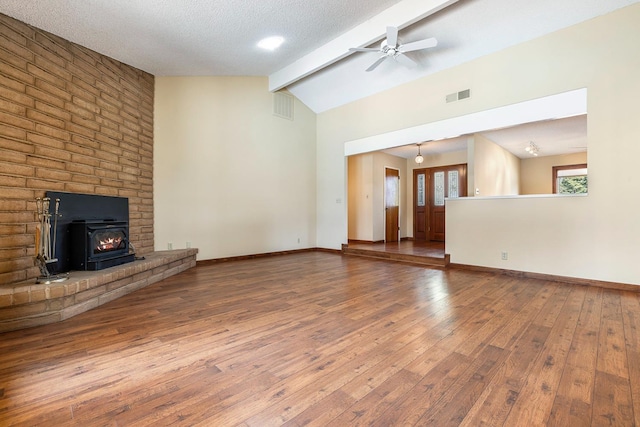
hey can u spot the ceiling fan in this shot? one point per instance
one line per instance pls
(389, 48)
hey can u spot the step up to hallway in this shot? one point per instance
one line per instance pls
(399, 257)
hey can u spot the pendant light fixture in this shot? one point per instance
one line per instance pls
(419, 158)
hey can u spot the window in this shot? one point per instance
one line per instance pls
(438, 188)
(421, 190)
(570, 179)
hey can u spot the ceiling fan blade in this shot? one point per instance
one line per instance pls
(364, 49)
(375, 64)
(420, 44)
(405, 60)
(392, 36)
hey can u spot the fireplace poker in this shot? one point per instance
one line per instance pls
(55, 228)
(38, 237)
(46, 232)
(39, 225)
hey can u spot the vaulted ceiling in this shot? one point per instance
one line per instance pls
(219, 37)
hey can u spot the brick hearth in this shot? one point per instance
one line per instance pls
(27, 304)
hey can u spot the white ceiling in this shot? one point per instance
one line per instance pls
(218, 37)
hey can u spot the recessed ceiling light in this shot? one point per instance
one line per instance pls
(271, 43)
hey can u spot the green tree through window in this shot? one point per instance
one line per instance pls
(570, 179)
(572, 185)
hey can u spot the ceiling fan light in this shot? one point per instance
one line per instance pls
(389, 48)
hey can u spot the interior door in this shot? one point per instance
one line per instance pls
(420, 204)
(445, 182)
(392, 204)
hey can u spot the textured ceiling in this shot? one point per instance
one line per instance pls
(196, 37)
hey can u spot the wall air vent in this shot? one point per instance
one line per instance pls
(457, 96)
(283, 105)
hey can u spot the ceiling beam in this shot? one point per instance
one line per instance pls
(400, 15)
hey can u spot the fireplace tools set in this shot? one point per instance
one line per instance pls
(46, 236)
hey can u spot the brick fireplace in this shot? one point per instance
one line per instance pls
(71, 120)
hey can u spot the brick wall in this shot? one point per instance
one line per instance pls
(70, 120)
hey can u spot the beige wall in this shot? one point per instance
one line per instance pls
(495, 172)
(360, 197)
(231, 178)
(593, 237)
(536, 173)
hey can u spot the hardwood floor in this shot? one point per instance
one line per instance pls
(322, 339)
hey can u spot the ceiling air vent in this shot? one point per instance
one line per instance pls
(464, 94)
(457, 96)
(283, 105)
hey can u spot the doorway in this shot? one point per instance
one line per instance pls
(431, 187)
(391, 204)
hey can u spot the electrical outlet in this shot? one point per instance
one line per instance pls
(298, 240)
(188, 245)
(504, 255)
(169, 245)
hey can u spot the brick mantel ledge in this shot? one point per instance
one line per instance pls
(27, 304)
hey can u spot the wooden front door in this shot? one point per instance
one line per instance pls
(444, 182)
(392, 204)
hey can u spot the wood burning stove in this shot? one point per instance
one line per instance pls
(99, 244)
(92, 231)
